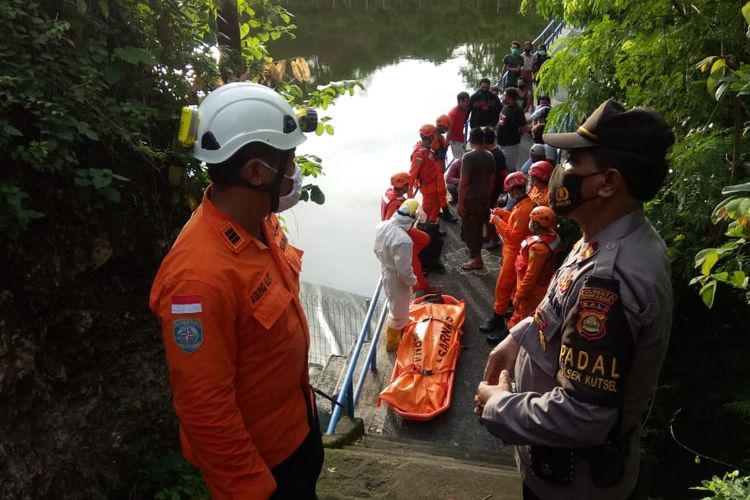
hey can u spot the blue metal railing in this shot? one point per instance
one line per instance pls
(544, 32)
(555, 33)
(349, 396)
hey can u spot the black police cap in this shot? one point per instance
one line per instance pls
(639, 131)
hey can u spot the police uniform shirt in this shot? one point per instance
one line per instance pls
(595, 342)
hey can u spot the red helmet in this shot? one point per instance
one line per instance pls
(443, 120)
(427, 130)
(514, 180)
(544, 216)
(399, 180)
(541, 170)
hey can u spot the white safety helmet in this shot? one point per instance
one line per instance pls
(239, 113)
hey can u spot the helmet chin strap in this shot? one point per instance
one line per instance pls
(274, 188)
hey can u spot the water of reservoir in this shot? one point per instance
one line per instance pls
(413, 56)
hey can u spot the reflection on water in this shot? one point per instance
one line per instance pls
(345, 39)
(414, 56)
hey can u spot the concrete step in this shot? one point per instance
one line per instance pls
(362, 472)
(330, 380)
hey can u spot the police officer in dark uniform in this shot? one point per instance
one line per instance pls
(587, 362)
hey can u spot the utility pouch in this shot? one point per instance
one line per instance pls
(556, 465)
(607, 463)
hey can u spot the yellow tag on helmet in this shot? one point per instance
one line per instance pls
(188, 126)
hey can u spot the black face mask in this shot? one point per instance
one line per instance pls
(565, 190)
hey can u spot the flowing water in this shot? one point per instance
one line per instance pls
(413, 56)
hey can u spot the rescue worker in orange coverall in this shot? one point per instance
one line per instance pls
(539, 173)
(513, 228)
(426, 175)
(535, 263)
(227, 297)
(389, 203)
(440, 152)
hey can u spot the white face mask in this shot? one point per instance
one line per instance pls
(292, 197)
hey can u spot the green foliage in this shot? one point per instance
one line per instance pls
(741, 408)
(731, 486)
(171, 477)
(727, 263)
(14, 216)
(100, 180)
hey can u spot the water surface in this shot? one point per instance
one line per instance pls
(413, 57)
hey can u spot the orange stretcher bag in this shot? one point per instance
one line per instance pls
(422, 381)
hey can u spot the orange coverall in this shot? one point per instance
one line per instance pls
(425, 174)
(389, 203)
(513, 228)
(535, 266)
(539, 195)
(236, 341)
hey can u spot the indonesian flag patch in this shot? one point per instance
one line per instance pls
(186, 304)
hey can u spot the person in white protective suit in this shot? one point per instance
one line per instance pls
(393, 247)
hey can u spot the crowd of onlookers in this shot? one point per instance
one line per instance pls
(499, 192)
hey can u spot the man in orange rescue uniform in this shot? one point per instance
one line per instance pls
(535, 263)
(539, 173)
(389, 203)
(227, 297)
(440, 152)
(426, 174)
(513, 228)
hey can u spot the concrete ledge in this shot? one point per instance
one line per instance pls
(348, 430)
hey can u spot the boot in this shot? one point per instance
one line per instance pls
(392, 339)
(447, 216)
(493, 324)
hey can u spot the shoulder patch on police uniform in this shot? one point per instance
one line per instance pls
(188, 334)
(596, 351)
(594, 304)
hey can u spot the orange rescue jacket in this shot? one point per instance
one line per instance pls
(424, 171)
(535, 263)
(540, 195)
(513, 227)
(236, 341)
(389, 203)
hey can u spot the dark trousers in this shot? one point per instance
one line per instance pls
(296, 476)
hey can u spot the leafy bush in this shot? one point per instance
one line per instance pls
(731, 486)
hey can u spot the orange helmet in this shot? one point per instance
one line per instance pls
(427, 130)
(443, 120)
(399, 180)
(541, 170)
(514, 180)
(544, 216)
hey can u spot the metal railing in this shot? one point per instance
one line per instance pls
(555, 33)
(349, 395)
(550, 33)
(549, 26)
